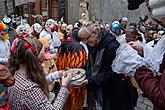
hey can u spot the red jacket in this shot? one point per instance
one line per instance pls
(153, 87)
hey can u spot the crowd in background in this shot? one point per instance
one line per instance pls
(33, 59)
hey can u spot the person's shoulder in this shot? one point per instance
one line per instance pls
(7, 41)
(55, 34)
(43, 34)
(24, 81)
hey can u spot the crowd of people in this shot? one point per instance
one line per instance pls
(34, 60)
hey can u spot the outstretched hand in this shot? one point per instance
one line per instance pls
(137, 46)
(81, 84)
(66, 79)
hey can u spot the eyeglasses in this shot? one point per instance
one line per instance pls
(87, 38)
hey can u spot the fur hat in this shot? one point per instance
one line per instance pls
(6, 77)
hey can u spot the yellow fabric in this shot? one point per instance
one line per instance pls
(45, 42)
(61, 35)
(50, 67)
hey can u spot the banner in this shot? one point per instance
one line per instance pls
(20, 2)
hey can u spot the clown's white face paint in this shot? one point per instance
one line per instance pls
(23, 30)
(49, 24)
(37, 28)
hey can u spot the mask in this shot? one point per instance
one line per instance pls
(142, 28)
(23, 32)
(7, 20)
(130, 30)
(69, 28)
(50, 24)
(37, 28)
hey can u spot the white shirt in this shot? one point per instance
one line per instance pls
(54, 40)
(121, 39)
(4, 51)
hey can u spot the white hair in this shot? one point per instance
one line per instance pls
(26, 26)
(87, 28)
(51, 21)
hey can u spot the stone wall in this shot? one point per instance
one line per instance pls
(2, 7)
(73, 11)
(108, 10)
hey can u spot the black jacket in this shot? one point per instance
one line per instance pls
(116, 91)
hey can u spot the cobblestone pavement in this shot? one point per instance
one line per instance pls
(142, 104)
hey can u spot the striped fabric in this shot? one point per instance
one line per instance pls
(27, 95)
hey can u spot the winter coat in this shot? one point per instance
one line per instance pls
(153, 86)
(117, 90)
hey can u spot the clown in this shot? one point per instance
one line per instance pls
(69, 29)
(63, 28)
(5, 45)
(51, 35)
(6, 77)
(83, 18)
(36, 29)
(62, 32)
(23, 31)
(72, 55)
(8, 20)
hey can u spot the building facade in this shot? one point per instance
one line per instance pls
(70, 10)
(6, 7)
(54, 9)
(108, 10)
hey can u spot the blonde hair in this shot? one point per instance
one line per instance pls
(45, 42)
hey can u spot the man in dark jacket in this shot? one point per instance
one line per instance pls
(117, 91)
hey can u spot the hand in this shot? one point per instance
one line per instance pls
(83, 83)
(66, 79)
(9, 81)
(49, 56)
(137, 46)
(60, 74)
(56, 75)
(4, 73)
(49, 31)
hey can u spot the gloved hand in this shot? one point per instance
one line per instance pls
(54, 76)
